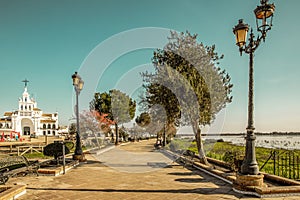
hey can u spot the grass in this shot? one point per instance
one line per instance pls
(36, 155)
(218, 151)
(285, 168)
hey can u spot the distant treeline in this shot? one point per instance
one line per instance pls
(256, 133)
(279, 133)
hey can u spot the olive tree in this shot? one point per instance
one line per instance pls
(188, 83)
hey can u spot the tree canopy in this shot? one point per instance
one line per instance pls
(143, 119)
(188, 83)
(94, 122)
(119, 107)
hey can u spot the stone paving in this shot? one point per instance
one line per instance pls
(131, 172)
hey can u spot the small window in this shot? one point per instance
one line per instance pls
(53, 132)
(44, 126)
(25, 99)
(49, 126)
(21, 107)
(53, 126)
(25, 107)
(44, 132)
(7, 125)
(49, 132)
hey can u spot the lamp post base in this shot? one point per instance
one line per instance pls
(80, 158)
(248, 182)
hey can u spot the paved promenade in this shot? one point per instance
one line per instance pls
(131, 172)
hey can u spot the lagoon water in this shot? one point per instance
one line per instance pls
(269, 141)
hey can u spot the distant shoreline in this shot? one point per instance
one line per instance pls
(242, 134)
(290, 141)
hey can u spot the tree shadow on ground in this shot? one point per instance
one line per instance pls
(218, 187)
(182, 173)
(94, 163)
(195, 176)
(190, 180)
(207, 191)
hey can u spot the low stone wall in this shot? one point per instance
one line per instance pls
(12, 192)
(280, 180)
(241, 183)
(57, 170)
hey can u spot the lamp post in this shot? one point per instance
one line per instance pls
(164, 136)
(78, 85)
(264, 16)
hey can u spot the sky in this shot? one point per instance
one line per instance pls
(109, 42)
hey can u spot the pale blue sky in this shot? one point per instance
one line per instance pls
(46, 41)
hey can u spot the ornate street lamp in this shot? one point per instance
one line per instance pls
(264, 18)
(164, 136)
(78, 85)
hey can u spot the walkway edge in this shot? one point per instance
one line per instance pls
(261, 192)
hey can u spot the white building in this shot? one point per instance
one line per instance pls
(29, 119)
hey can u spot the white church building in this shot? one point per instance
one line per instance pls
(28, 119)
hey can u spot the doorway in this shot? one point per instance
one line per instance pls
(26, 130)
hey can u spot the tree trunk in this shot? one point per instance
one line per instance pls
(117, 134)
(112, 137)
(198, 137)
(95, 134)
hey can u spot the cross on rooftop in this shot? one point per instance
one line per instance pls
(25, 81)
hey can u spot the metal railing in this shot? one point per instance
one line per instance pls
(283, 163)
